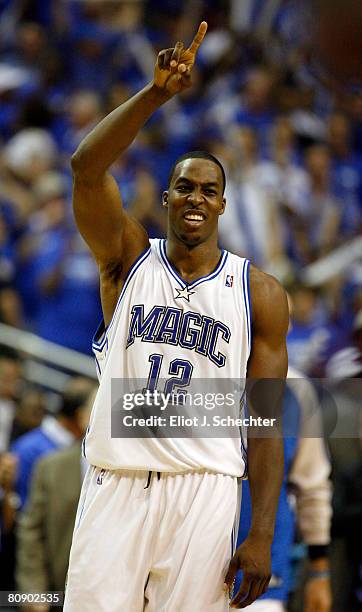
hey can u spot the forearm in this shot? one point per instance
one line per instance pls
(314, 514)
(116, 132)
(310, 476)
(266, 466)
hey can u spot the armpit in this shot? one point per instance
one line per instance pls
(112, 271)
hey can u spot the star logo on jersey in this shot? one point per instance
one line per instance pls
(183, 293)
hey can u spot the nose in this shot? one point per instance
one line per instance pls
(195, 197)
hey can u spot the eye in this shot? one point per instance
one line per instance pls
(182, 188)
(210, 192)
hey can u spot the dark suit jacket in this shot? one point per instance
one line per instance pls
(45, 527)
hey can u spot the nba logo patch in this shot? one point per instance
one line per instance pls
(229, 280)
(100, 477)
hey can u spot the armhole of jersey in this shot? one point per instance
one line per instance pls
(248, 314)
(247, 300)
(99, 334)
(99, 346)
(100, 338)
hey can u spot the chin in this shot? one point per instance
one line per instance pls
(191, 239)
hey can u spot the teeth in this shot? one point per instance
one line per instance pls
(192, 217)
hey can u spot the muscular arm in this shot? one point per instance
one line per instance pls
(268, 360)
(113, 236)
(116, 239)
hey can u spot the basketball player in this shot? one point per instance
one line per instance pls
(156, 518)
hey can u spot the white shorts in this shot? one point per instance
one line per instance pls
(161, 548)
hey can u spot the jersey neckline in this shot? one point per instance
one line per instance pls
(197, 281)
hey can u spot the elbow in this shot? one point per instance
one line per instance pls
(82, 170)
(78, 163)
(84, 167)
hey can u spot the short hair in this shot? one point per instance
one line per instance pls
(198, 155)
(75, 395)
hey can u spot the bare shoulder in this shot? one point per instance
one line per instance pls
(268, 299)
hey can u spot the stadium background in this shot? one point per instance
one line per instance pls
(286, 127)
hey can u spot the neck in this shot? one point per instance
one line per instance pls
(70, 425)
(192, 262)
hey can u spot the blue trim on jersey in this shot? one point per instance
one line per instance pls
(216, 272)
(131, 272)
(250, 308)
(244, 450)
(247, 300)
(83, 447)
(244, 455)
(198, 281)
(244, 297)
(100, 333)
(170, 268)
(97, 365)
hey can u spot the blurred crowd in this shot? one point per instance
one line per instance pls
(38, 498)
(290, 138)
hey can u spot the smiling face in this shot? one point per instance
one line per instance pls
(194, 201)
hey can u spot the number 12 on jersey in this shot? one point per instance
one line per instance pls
(180, 372)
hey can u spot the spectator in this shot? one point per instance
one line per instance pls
(29, 411)
(305, 496)
(30, 154)
(317, 218)
(257, 106)
(11, 381)
(45, 527)
(53, 433)
(291, 144)
(346, 362)
(9, 504)
(57, 263)
(346, 172)
(10, 301)
(310, 333)
(84, 111)
(145, 207)
(344, 425)
(287, 207)
(251, 223)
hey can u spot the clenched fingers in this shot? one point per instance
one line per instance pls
(163, 58)
(176, 54)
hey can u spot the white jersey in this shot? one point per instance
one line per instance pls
(166, 329)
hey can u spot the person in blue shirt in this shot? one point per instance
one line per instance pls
(53, 434)
(305, 497)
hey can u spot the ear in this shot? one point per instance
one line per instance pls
(165, 199)
(223, 204)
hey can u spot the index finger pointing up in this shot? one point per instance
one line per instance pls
(198, 38)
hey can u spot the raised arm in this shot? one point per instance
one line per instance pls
(267, 370)
(113, 236)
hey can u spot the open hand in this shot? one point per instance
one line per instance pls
(253, 558)
(173, 67)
